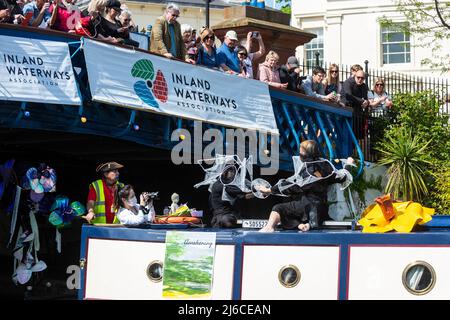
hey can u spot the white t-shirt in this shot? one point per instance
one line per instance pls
(248, 65)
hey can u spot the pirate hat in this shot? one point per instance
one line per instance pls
(108, 166)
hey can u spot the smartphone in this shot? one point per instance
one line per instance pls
(255, 34)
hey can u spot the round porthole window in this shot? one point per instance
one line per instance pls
(155, 271)
(289, 276)
(419, 278)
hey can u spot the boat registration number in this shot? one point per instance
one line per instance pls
(253, 223)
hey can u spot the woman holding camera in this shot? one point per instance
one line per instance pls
(246, 57)
(132, 213)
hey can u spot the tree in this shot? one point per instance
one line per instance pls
(429, 21)
(285, 5)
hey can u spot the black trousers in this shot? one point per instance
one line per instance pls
(304, 210)
(227, 220)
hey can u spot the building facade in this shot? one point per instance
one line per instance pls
(193, 12)
(349, 32)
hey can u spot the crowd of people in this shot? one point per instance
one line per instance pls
(107, 20)
(111, 21)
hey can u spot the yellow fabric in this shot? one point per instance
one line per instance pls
(407, 215)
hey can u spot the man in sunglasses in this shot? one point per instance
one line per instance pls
(166, 38)
(354, 94)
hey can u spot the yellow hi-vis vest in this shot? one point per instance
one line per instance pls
(100, 204)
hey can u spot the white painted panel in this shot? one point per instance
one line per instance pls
(117, 270)
(376, 272)
(319, 268)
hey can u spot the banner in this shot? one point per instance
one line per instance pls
(36, 70)
(188, 265)
(148, 82)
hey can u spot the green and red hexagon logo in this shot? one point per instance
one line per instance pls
(152, 86)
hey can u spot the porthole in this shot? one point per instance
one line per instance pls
(155, 271)
(419, 278)
(289, 276)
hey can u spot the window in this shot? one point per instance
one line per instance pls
(315, 45)
(395, 44)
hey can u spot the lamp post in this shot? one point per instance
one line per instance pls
(207, 12)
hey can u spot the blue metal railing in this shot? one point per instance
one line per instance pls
(298, 117)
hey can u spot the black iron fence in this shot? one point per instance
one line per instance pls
(396, 82)
(372, 123)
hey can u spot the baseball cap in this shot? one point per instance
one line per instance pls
(231, 35)
(292, 61)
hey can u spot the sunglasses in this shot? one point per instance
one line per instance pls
(242, 54)
(334, 71)
(209, 37)
(380, 84)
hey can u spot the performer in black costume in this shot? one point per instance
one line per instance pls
(224, 211)
(307, 207)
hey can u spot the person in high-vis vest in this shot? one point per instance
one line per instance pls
(102, 199)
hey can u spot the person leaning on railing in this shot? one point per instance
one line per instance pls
(110, 27)
(10, 12)
(207, 53)
(354, 68)
(331, 82)
(314, 87)
(37, 14)
(290, 73)
(354, 94)
(379, 100)
(95, 10)
(166, 38)
(242, 56)
(228, 59)
(268, 71)
(67, 17)
(190, 42)
(125, 20)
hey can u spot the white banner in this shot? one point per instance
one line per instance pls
(151, 83)
(35, 70)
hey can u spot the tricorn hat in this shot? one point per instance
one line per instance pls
(108, 166)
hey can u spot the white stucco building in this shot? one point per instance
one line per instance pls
(348, 32)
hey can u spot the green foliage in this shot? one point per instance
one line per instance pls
(420, 112)
(361, 185)
(285, 6)
(417, 142)
(442, 189)
(430, 26)
(407, 159)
